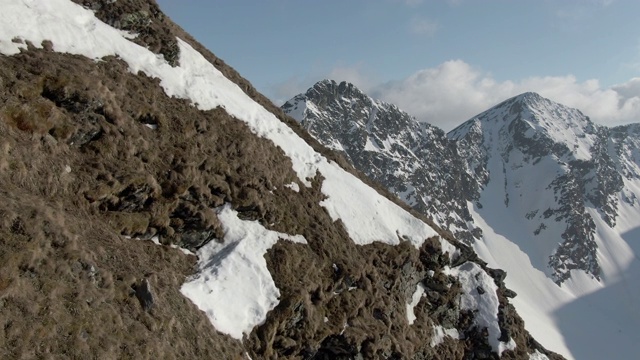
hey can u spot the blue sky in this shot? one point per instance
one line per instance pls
(443, 61)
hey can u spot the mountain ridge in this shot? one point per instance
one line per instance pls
(543, 181)
(362, 139)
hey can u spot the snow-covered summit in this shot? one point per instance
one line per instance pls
(537, 122)
(527, 135)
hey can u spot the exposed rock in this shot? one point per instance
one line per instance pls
(144, 294)
(414, 160)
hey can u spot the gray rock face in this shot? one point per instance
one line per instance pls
(144, 294)
(414, 160)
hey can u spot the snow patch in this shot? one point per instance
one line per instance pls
(367, 215)
(233, 285)
(371, 145)
(440, 333)
(415, 299)
(479, 295)
(448, 247)
(298, 110)
(293, 186)
(538, 356)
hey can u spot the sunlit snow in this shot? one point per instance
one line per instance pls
(233, 285)
(479, 294)
(440, 334)
(415, 299)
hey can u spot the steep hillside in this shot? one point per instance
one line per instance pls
(554, 195)
(156, 206)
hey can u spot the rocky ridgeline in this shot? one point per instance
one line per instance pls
(415, 161)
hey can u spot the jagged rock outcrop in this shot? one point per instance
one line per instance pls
(415, 161)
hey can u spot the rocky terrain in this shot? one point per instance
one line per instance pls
(139, 173)
(416, 161)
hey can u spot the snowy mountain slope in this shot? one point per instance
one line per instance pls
(554, 205)
(132, 142)
(414, 160)
(554, 195)
(573, 171)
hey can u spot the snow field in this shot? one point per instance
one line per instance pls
(561, 318)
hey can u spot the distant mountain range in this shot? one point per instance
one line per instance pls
(528, 174)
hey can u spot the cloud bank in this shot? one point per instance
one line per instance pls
(454, 92)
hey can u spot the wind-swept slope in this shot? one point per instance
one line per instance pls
(111, 137)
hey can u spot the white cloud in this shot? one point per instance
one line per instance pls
(629, 89)
(423, 26)
(455, 91)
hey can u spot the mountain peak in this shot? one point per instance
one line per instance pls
(332, 87)
(342, 97)
(529, 114)
(529, 95)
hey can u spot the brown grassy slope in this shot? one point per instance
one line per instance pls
(79, 168)
(66, 274)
